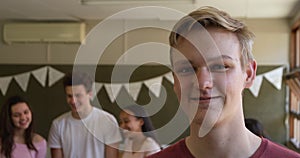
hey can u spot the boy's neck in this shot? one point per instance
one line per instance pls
(226, 140)
(83, 114)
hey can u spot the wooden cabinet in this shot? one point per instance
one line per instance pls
(293, 81)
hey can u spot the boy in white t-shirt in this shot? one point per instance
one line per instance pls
(85, 131)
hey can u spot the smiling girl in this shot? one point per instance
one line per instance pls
(17, 138)
(140, 141)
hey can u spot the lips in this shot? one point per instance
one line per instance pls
(203, 99)
(23, 123)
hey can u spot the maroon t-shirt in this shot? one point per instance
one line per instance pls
(267, 149)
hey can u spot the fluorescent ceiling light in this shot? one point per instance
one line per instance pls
(95, 2)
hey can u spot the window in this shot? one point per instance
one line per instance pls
(293, 81)
(295, 46)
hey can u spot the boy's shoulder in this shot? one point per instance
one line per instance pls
(271, 149)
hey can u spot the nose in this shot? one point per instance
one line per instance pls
(204, 78)
(23, 117)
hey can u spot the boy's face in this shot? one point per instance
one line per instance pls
(78, 98)
(209, 79)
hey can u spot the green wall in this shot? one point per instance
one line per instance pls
(268, 107)
(49, 102)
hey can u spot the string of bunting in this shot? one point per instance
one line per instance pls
(154, 84)
(54, 75)
(273, 76)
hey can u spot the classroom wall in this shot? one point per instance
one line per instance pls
(295, 18)
(49, 101)
(270, 49)
(271, 44)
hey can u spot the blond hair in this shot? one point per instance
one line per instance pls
(212, 17)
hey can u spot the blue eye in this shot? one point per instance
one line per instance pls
(185, 70)
(218, 68)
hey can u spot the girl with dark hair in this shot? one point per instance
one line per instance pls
(140, 140)
(17, 138)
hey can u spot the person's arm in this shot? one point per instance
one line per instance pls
(112, 137)
(56, 153)
(111, 151)
(54, 142)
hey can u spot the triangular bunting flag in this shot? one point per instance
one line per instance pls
(22, 80)
(40, 75)
(254, 89)
(275, 77)
(169, 76)
(133, 89)
(4, 83)
(154, 85)
(96, 89)
(112, 90)
(54, 75)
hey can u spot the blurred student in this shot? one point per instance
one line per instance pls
(137, 127)
(85, 131)
(212, 61)
(256, 127)
(17, 136)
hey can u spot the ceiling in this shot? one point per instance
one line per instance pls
(74, 10)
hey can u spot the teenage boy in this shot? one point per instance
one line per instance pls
(85, 131)
(211, 56)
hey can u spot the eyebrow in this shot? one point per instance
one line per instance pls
(212, 59)
(14, 113)
(183, 62)
(223, 57)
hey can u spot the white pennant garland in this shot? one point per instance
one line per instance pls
(96, 89)
(254, 89)
(4, 83)
(169, 76)
(54, 76)
(112, 91)
(22, 80)
(154, 85)
(133, 89)
(275, 77)
(40, 75)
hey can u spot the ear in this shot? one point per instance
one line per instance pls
(141, 122)
(251, 73)
(90, 93)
